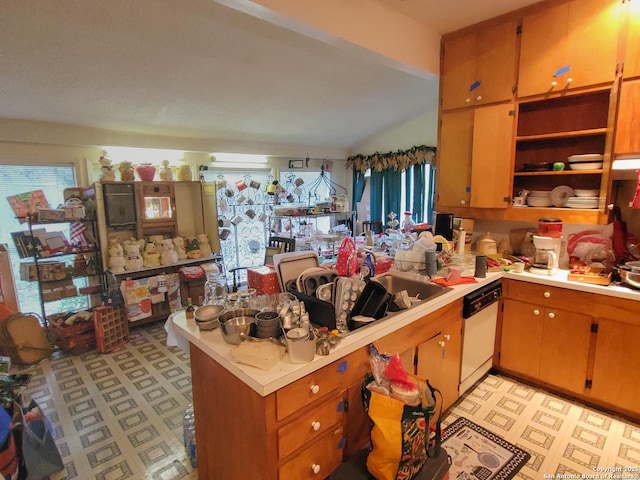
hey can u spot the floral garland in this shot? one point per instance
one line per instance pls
(400, 160)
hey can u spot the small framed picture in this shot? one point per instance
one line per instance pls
(295, 163)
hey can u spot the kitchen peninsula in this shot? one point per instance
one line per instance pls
(300, 420)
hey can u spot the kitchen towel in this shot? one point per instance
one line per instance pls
(462, 280)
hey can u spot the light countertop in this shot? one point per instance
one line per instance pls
(285, 372)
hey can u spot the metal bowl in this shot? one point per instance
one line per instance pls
(208, 313)
(629, 277)
(234, 324)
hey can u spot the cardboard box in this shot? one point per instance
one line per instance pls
(264, 280)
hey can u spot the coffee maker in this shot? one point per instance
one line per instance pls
(546, 258)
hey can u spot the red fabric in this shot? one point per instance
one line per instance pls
(446, 283)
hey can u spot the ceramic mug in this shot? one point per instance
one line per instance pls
(241, 185)
(224, 233)
(254, 184)
(236, 221)
(262, 217)
(519, 201)
(224, 222)
(299, 181)
(250, 213)
(241, 198)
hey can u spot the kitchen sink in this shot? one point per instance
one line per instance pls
(424, 290)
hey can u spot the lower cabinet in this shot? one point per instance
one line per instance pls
(546, 343)
(589, 348)
(616, 373)
(438, 360)
(306, 429)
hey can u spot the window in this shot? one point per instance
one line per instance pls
(52, 180)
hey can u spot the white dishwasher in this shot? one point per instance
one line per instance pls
(480, 313)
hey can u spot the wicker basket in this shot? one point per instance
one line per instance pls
(112, 328)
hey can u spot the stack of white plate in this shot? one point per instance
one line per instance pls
(588, 161)
(582, 202)
(539, 198)
(586, 193)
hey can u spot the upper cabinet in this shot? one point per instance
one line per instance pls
(474, 157)
(627, 139)
(568, 46)
(479, 67)
(632, 41)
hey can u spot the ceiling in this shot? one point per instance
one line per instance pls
(202, 70)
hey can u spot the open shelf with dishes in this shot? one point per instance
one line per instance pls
(555, 139)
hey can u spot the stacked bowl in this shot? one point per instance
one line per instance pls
(587, 161)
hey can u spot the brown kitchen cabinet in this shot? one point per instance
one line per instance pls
(568, 46)
(438, 359)
(309, 425)
(627, 140)
(616, 373)
(474, 157)
(479, 67)
(536, 340)
(551, 130)
(632, 41)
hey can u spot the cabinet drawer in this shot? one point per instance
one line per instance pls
(157, 189)
(316, 461)
(314, 386)
(546, 296)
(310, 426)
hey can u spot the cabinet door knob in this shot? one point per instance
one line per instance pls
(315, 468)
(554, 84)
(463, 202)
(479, 97)
(552, 315)
(546, 294)
(536, 312)
(441, 343)
(315, 389)
(447, 337)
(569, 80)
(315, 426)
(467, 100)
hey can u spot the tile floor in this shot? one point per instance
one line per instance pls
(119, 416)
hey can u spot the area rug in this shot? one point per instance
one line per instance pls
(478, 454)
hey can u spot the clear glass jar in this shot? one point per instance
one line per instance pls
(215, 289)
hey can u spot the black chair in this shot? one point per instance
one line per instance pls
(274, 246)
(375, 226)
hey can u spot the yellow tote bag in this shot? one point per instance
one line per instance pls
(398, 437)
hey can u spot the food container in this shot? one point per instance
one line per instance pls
(629, 277)
(207, 316)
(234, 324)
(301, 346)
(550, 227)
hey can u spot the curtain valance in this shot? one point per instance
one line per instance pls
(400, 160)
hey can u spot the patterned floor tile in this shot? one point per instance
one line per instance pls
(119, 416)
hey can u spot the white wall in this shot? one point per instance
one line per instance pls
(418, 131)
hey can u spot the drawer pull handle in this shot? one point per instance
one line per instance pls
(536, 312)
(315, 426)
(447, 337)
(552, 315)
(547, 294)
(441, 343)
(315, 468)
(554, 84)
(315, 389)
